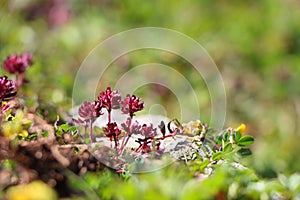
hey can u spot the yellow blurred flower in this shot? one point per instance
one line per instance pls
(23, 133)
(36, 190)
(17, 126)
(241, 128)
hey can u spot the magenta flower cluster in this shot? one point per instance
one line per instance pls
(113, 132)
(109, 100)
(131, 104)
(8, 89)
(17, 65)
(88, 111)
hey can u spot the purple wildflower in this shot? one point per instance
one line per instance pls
(8, 89)
(113, 132)
(110, 99)
(148, 131)
(88, 113)
(131, 104)
(17, 64)
(131, 128)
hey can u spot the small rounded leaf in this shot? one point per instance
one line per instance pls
(244, 152)
(237, 136)
(245, 140)
(226, 136)
(217, 155)
(204, 164)
(218, 139)
(228, 148)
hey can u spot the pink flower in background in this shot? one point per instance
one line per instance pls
(131, 128)
(148, 131)
(17, 64)
(88, 112)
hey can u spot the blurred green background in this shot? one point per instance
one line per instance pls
(255, 44)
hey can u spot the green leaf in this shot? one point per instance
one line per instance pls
(237, 136)
(32, 136)
(8, 164)
(227, 148)
(59, 133)
(73, 129)
(245, 140)
(217, 155)
(244, 152)
(218, 139)
(87, 140)
(45, 134)
(226, 136)
(97, 130)
(204, 164)
(64, 127)
(75, 149)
